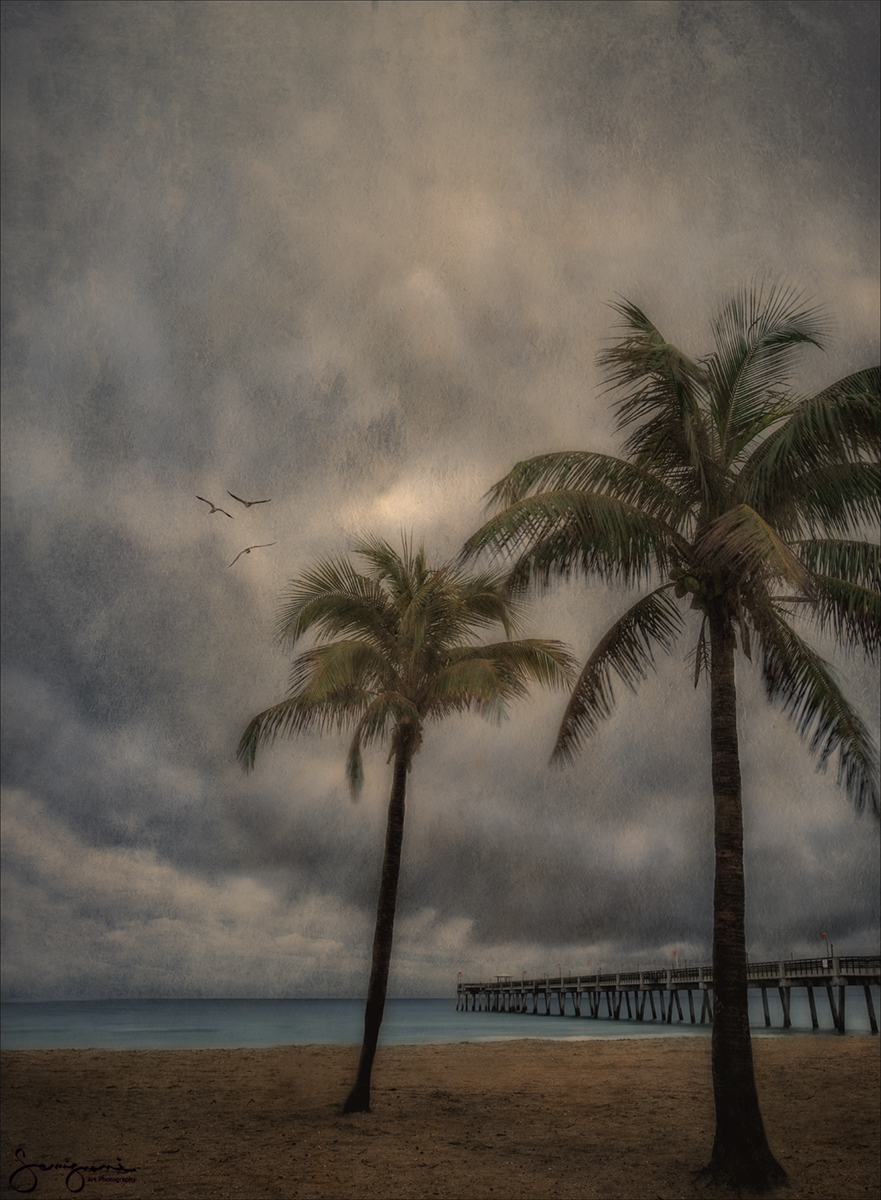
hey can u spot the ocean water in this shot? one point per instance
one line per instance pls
(194, 1024)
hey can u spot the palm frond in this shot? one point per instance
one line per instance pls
(295, 715)
(477, 683)
(798, 678)
(849, 611)
(859, 562)
(834, 499)
(627, 650)
(602, 473)
(400, 571)
(757, 333)
(384, 712)
(601, 534)
(328, 671)
(645, 357)
(482, 602)
(702, 654)
(545, 661)
(355, 767)
(556, 556)
(663, 399)
(337, 600)
(841, 424)
(744, 545)
(691, 469)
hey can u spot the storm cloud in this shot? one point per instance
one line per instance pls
(358, 258)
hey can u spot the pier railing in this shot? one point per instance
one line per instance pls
(508, 994)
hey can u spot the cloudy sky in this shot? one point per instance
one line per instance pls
(357, 257)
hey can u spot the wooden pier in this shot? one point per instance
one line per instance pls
(625, 995)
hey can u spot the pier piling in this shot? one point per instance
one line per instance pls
(506, 996)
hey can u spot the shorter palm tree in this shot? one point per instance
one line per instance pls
(394, 650)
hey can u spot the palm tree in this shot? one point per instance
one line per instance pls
(748, 504)
(394, 650)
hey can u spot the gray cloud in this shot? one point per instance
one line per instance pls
(357, 258)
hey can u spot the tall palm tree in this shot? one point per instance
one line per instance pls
(395, 649)
(749, 505)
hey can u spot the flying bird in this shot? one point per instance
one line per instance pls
(248, 551)
(214, 508)
(248, 503)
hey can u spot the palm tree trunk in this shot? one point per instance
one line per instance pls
(359, 1098)
(741, 1154)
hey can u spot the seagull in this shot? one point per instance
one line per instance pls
(248, 503)
(214, 508)
(248, 551)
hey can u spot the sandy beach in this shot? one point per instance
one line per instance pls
(524, 1119)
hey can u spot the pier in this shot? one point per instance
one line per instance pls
(632, 995)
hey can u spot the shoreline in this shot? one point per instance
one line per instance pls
(761, 1034)
(563, 1117)
(488, 1040)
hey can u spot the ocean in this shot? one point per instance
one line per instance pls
(226, 1024)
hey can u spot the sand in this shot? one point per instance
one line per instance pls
(525, 1119)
